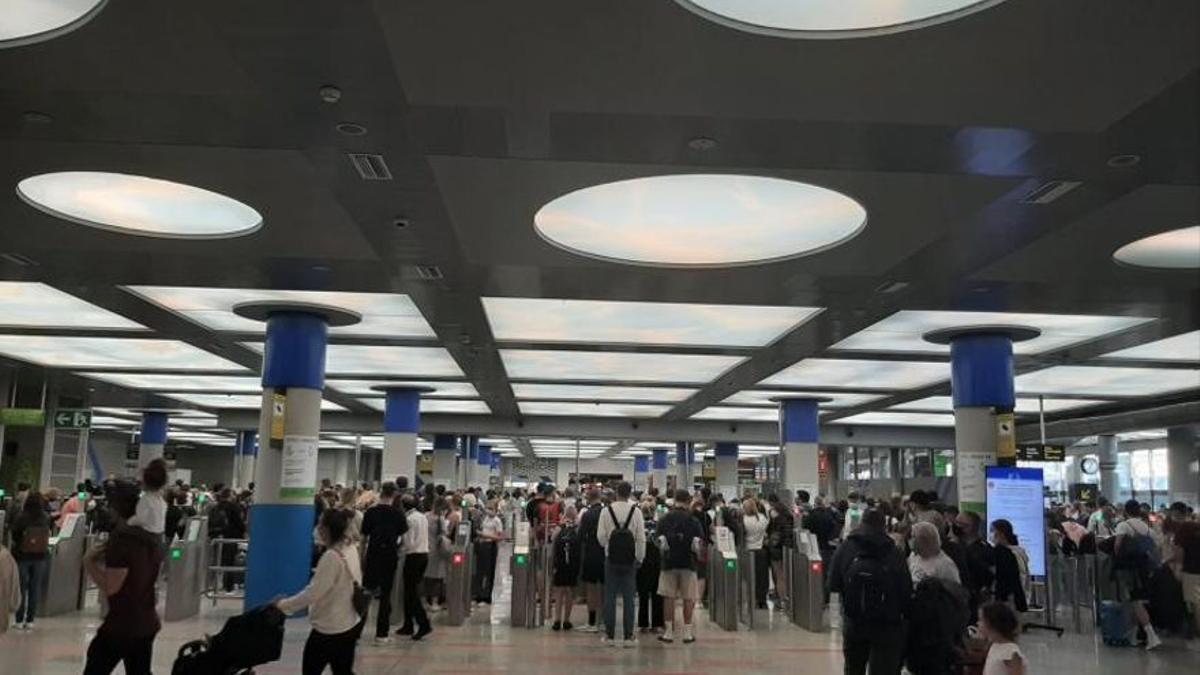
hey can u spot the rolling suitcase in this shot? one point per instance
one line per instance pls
(1116, 626)
(245, 641)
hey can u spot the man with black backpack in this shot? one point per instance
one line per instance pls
(622, 533)
(679, 535)
(876, 588)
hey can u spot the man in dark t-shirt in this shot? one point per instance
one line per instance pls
(125, 569)
(382, 527)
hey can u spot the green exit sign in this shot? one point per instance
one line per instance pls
(730, 564)
(176, 553)
(521, 560)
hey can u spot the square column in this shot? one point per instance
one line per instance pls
(658, 468)
(153, 437)
(799, 432)
(401, 422)
(641, 467)
(445, 449)
(685, 461)
(726, 455)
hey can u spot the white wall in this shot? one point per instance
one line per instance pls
(566, 467)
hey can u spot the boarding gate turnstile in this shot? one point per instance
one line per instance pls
(524, 569)
(186, 570)
(724, 581)
(806, 582)
(62, 587)
(458, 577)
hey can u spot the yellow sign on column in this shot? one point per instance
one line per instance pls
(278, 412)
(1006, 439)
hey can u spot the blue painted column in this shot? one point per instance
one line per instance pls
(401, 421)
(281, 520)
(685, 461)
(658, 467)
(483, 466)
(982, 386)
(726, 456)
(641, 466)
(445, 448)
(799, 435)
(247, 453)
(153, 437)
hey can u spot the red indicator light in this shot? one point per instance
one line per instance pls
(458, 558)
(817, 567)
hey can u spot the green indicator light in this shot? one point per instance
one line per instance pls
(521, 560)
(176, 553)
(730, 564)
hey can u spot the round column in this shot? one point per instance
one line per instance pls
(247, 450)
(685, 461)
(483, 466)
(726, 456)
(468, 468)
(153, 436)
(445, 448)
(641, 467)
(658, 468)
(799, 436)
(1183, 482)
(1106, 451)
(981, 383)
(401, 422)
(293, 376)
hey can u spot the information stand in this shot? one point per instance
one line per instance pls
(1015, 494)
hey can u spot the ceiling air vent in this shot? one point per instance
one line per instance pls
(1050, 191)
(18, 259)
(370, 167)
(429, 272)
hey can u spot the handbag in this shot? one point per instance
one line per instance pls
(360, 597)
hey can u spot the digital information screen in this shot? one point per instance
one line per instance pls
(1015, 494)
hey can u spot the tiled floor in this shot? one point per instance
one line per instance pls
(486, 644)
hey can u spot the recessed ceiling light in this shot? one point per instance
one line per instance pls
(1185, 347)
(860, 374)
(383, 314)
(589, 392)
(832, 18)
(657, 323)
(1123, 161)
(592, 409)
(138, 205)
(29, 304)
(30, 21)
(111, 353)
(536, 364)
(702, 143)
(352, 129)
(700, 220)
(1174, 250)
(903, 331)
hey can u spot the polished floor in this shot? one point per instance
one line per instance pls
(487, 644)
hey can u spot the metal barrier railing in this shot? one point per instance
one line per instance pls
(214, 583)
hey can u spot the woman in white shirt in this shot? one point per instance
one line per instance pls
(754, 522)
(329, 596)
(414, 543)
(928, 561)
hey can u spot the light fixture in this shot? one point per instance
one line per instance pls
(28, 22)
(29, 304)
(111, 353)
(1185, 347)
(234, 401)
(766, 398)
(351, 129)
(1024, 406)
(368, 388)
(161, 382)
(899, 419)
(534, 364)
(591, 392)
(860, 374)
(737, 414)
(1173, 250)
(700, 220)
(656, 323)
(383, 314)
(1107, 381)
(384, 360)
(832, 18)
(138, 205)
(903, 331)
(592, 409)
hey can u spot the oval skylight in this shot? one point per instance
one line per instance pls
(1174, 250)
(700, 220)
(138, 205)
(832, 18)
(24, 22)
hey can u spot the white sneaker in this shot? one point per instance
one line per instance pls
(587, 628)
(609, 642)
(667, 636)
(1152, 641)
(384, 640)
(629, 644)
(689, 633)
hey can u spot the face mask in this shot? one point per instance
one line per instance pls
(958, 530)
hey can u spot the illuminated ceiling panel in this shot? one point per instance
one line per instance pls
(1173, 250)
(592, 409)
(642, 323)
(1025, 406)
(136, 413)
(1107, 381)
(832, 18)
(1185, 347)
(899, 419)
(31, 21)
(442, 389)
(383, 315)
(530, 364)
(107, 352)
(240, 401)
(587, 392)
(446, 406)
(860, 374)
(28, 304)
(762, 397)
(904, 331)
(733, 413)
(223, 383)
(384, 360)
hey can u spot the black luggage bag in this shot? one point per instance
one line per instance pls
(245, 641)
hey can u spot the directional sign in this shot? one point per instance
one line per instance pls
(1042, 453)
(67, 418)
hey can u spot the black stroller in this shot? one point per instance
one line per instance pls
(245, 641)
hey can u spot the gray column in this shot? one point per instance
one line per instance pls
(1182, 459)
(1106, 448)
